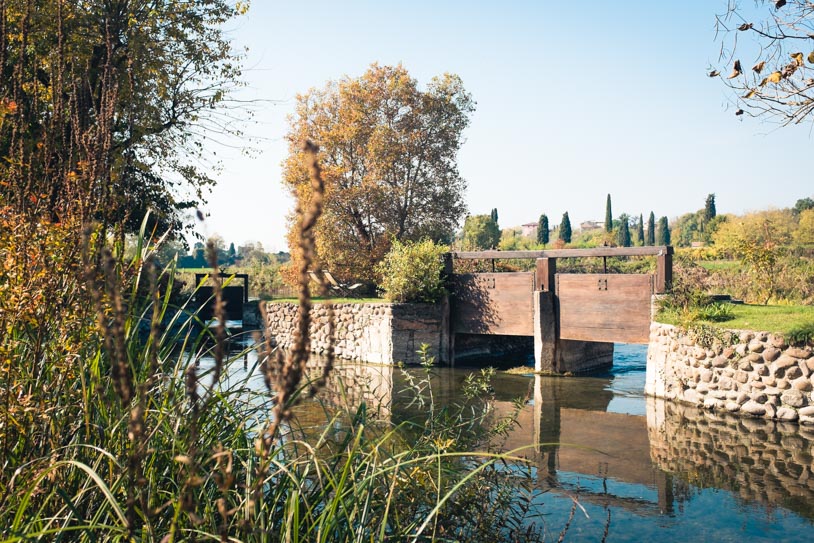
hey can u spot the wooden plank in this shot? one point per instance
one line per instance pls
(493, 303)
(664, 273)
(566, 253)
(589, 312)
(545, 274)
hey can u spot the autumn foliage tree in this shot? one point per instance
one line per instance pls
(767, 57)
(389, 151)
(104, 106)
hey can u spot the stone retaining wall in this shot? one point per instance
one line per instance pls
(381, 333)
(760, 375)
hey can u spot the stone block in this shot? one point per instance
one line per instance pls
(783, 362)
(746, 336)
(786, 414)
(793, 373)
(755, 346)
(720, 361)
(802, 384)
(777, 341)
(771, 354)
(797, 352)
(753, 408)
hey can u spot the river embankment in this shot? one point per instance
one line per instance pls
(754, 373)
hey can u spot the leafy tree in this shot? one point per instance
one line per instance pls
(480, 232)
(651, 230)
(709, 208)
(688, 228)
(389, 153)
(663, 237)
(494, 215)
(759, 228)
(804, 234)
(623, 235)
(608, 215)
(640, 230)
(105, 106)
(777, 35)
(542, 229)
(802, 204)
(565, 228)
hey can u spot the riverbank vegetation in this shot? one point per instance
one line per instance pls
(120, 420)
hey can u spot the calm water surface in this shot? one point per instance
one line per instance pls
(664, 472)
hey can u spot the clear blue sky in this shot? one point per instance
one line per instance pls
(575, 101)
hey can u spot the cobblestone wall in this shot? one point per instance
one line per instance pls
(760, 375)
(381, 333)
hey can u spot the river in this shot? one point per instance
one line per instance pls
(658, 470)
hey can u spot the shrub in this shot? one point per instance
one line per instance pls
(802, 335)
(411, 272)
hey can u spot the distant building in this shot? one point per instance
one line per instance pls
(529, 230)
(591, 225)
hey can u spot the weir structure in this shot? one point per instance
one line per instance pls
(574, 318)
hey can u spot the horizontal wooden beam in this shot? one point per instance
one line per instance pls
(565, 253)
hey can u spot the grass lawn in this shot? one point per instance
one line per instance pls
(780, 319)
(772, 318)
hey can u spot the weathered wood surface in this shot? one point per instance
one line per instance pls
(546, 270)
(493, 303)
(566, 253)
(589, 312)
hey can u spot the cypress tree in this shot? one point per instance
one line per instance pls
(565, 228)
(651, 230)
(640, 230)
(709, 208)
(623, 236)
(494, 215)
(664, 232)
(542, 229)
(608, 215)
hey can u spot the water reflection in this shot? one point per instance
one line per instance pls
(662, 469)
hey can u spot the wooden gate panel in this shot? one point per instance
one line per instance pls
(605, 307)
(493, 303)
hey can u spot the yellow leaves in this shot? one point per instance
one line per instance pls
(757, 68)
(811, 57)
(736, 70)
(774, 77)
(797, 58)
(242, 8)
(750, 94)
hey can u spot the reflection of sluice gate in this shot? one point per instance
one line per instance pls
(648, 466)
(758, 460)
(575, 438)
(665, 454)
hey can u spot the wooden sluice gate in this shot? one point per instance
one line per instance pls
(574, 317)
